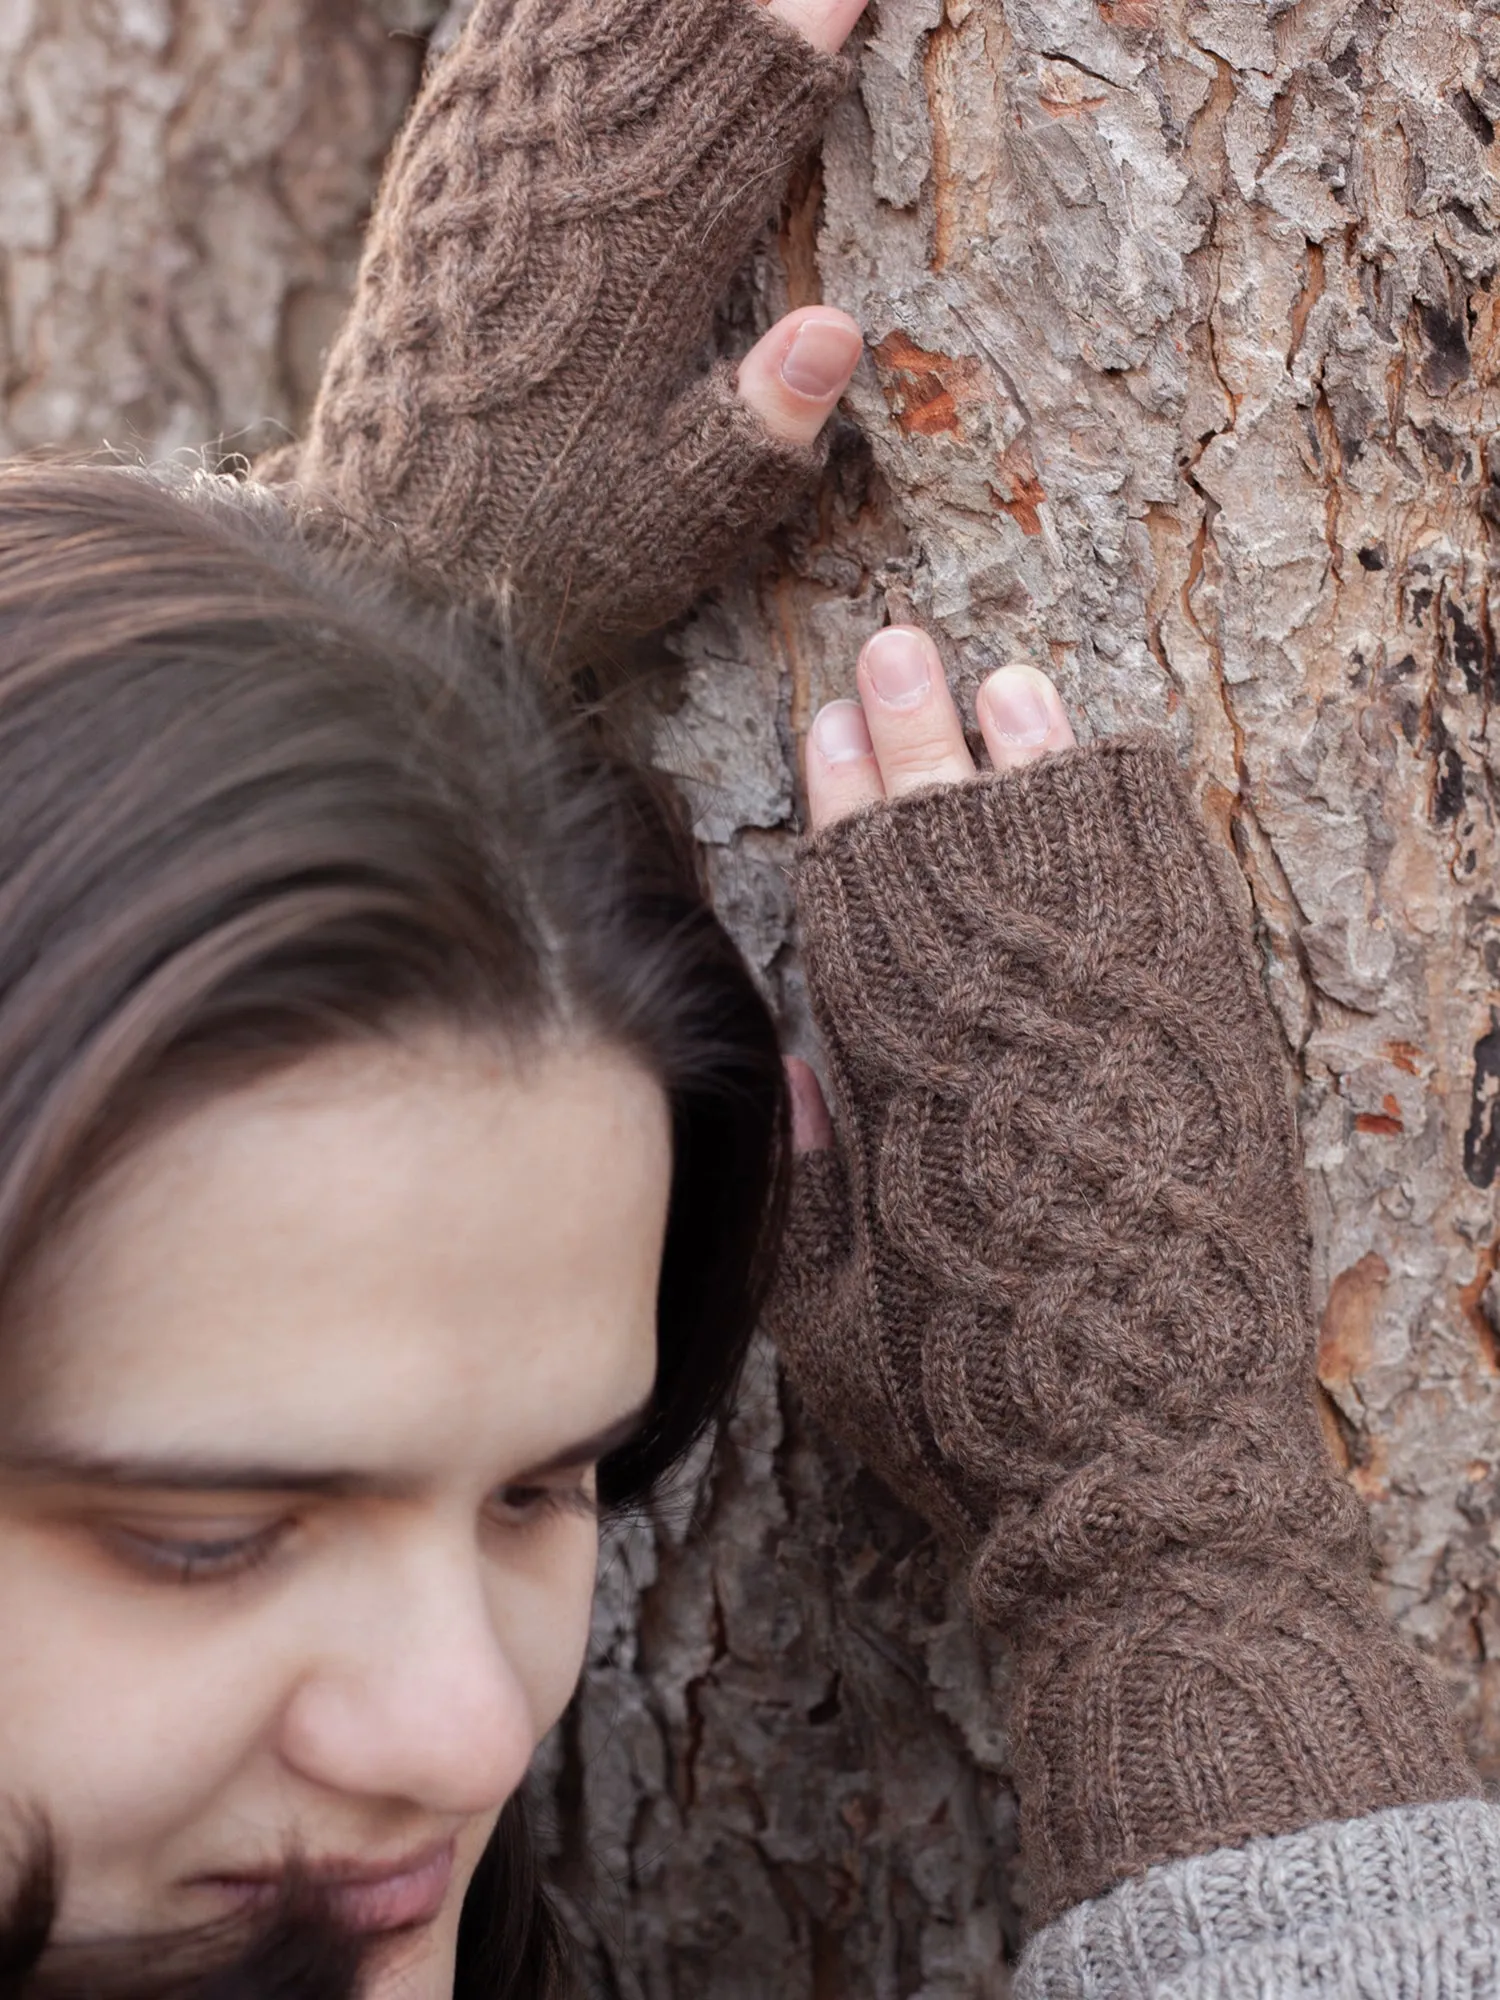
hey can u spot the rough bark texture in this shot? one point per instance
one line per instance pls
(1183, 385)
(182, 188)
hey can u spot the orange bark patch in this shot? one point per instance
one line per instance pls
(1333, 1431)
(1371, 1480)
(924, 390)
(1130, 13)
(1406, 1056)
(1218, 804)
(1057, 107)
(1346, 1339)
(1471, 1303)
(1063, 94)
(799, 236)
(947, 206)
(1386, 1123)
(1021, 494)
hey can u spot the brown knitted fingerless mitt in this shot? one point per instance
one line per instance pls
(514, 406)
(1056, 1290)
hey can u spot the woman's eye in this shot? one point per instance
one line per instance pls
(526, 1506)
(196, 1558)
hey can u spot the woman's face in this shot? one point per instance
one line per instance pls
(298, 1429)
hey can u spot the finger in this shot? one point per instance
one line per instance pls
(913, 723)
(795, 375)
(1021, 717)
(826, 23)
(842, 774)
(812, 1128)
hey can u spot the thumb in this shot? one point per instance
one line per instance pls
(793, 377)
(812, 1128)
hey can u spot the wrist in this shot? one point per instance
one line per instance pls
(1224, 1697)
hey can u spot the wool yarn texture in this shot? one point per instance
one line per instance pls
(1053, 1284)
(1401, 1905)
(517, 407)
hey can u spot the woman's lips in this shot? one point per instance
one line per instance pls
(395, 1896)
(411, 1895)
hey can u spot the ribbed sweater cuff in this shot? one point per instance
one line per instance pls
(1402, 1905)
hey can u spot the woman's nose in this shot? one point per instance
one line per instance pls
(419, 1702)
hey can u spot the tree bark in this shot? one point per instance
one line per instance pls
(1182, 384)
(182, 189)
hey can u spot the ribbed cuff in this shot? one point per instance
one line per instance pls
(1076, 799)
(1219, 1702)
(1402, 1905)
(1085, 861)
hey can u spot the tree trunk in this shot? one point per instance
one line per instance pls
(182, 188)
(1182, 384)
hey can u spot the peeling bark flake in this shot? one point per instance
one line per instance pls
(1024, 495)
(1346, 1339)
(924, 389)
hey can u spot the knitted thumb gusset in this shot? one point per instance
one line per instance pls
(1054, 1287)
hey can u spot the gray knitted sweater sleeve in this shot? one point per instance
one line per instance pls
(1400, 1905)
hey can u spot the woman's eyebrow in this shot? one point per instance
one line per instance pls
(589, 1450)
(178, 1473)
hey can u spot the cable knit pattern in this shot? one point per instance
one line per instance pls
(513, 401)
(1402, 1905)
(1055, 1288)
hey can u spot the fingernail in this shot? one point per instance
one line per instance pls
(821, 358)
(1018, 707)
(899, 666)
(840, 733)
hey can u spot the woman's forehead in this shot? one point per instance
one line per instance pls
(364, 1257)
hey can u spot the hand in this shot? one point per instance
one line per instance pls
(1057, 1236)
(825, 23)
(902, 734)
(515, 406)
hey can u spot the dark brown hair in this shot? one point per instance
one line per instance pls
(254, 801)
(296, 1950)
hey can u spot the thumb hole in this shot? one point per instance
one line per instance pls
(812, 1128)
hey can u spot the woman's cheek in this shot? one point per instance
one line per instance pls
(139, 1722)
(543, 1609)
(119, 1731)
